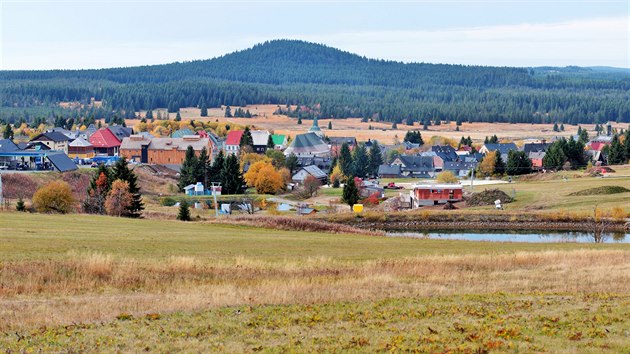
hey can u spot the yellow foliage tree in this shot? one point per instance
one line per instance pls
(336, 175)
(118, 198)
(252, 173)
(486, 167)
(265, 178)
(251, 158)
(446, 177)
(54, 197)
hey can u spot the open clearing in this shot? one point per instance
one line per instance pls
(382, 131)
(127, 285)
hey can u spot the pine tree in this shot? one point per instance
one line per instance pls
(329, 125)
(19, 206)
(100, 185)
(291, 163)
(184, 211)
(149, 114)
(350, 194)
(376, 158)
(188, 173)
(425, 125)
(299, 121)
(233, 181)
(8, 132)
(360, 161)
(555, 127)
(499, 165)
(214, 174)
(562, 127)
(616, 153)
(203, 167)
(518, 163)
(228, 112)
(246, 139)
(178, 117)
(121, 171)
(204, 109)
(345, 160)
(626, 143)
(270, 144)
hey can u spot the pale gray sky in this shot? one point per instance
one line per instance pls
(50, 34)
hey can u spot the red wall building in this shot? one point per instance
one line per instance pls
(433, 194)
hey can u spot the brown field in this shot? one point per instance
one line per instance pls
(383, 132)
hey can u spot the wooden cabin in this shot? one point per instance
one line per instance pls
(434, 194)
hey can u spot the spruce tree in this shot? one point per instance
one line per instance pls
(204, 109)
(376, 158)
(233, 181)
(178, 117)
(329, 125)
(345, 160)
(626, 143)
(121, 171)
(228, 112)
(616, 153)
(149, 114)
(518, 163)
(19, 206)
(360, 161)
(270, 144)
(499, 165)
(350, 194)
(215, 172)
(8, 132)
(188, 171)
(246, 139)
(184, 211)
(203, 167)
(291, 163)
(299, 121)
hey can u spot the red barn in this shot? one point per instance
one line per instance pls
(433, 194)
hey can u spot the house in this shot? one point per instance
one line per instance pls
(434, 194)
(415, 166)
(105, 142)
(81, 149)
(536, 157)
(233, 141)
(536, 147)
(194, 189)
(311, 170)
(53, 140)
(337, 142)
(280, 141)
(599, 142)
(162, 151)
(308, 145)
(260, 139)
(503, 149)
(323, 163)
(368, 188)
(445, 152)
(36, 160)
(389, 171)
(460, 168)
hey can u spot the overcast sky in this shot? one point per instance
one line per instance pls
(49, 34)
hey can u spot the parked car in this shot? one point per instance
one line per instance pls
(392, 185)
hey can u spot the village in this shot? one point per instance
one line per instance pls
(410, 174)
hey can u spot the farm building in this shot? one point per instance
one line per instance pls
(434, 194)
(80, 148)
(162, 151)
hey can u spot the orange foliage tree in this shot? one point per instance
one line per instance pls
(118, 199)
(54, 197)
(265, 178)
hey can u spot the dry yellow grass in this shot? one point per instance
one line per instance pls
(95, 287)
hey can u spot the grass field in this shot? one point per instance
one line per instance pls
(76, 282)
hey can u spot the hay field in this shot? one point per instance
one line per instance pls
(78, 281)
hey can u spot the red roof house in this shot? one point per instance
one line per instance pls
(233, 141)
(105, 142)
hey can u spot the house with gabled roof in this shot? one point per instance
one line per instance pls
(337, 142)
(311, 170)
(120, 132)
(415, 166)
(105, 142)
(233, 141)
(280, 141)
(162, 151)
(260, 139)
(502, 148)
(81, 149)
(53, 140)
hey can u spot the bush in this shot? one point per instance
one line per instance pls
(446, 177)
(184, 211)
(168, 201)
(54, 197)
(20, 205)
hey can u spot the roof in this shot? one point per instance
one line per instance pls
(445, 152)
(389, 170)
(309, 143)
(532, 147)
(62, 162)
(279, 139)
(438, 186)
(342, 139)
(459, 165)
(120, 132)
(7, 145)
(602, 139)
(181, 132)
(315, 171)
(104, 138)
(79, 142)
(234, 137)
(135, 142)
(51, 136)
(597, 145)
(260, 137)
(502, 148)
(536, 155)
(315, 126)
(417, 163)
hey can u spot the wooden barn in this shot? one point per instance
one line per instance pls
(434, 194)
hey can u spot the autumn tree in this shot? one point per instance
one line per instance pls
(54, 197)
(269, 180)
(97, 191)
(486, 166)
(311, 186)
(121, 171)
(336, 176)
(118, 199)
(446, 177)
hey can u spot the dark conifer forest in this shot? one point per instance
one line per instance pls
(330, 83)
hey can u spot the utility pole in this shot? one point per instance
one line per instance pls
(472, 180)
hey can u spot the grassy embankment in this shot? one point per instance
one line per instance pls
(169, 285)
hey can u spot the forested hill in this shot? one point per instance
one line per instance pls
(338, 83)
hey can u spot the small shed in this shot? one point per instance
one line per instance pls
(195, 189)
(434, 194)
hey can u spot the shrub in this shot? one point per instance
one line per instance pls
(20, 205)
(446, 177)
(184, 211)
(168, 201)
(618, 214)
(18, 186)
(54, 197)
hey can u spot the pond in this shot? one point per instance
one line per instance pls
(507, 236)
